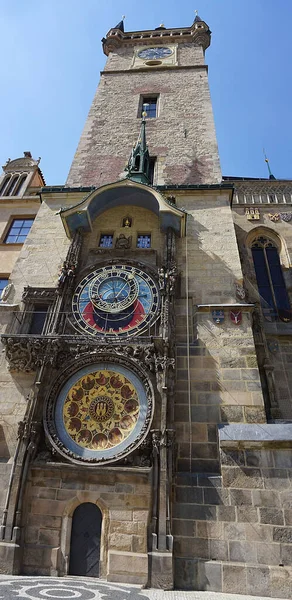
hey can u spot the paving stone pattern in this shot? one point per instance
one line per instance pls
(38, 588)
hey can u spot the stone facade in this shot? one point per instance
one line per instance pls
(200, 496)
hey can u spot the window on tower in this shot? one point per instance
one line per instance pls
(144, 241)
(106, 240)
(38, 319)
(152, 164)
(149, 106)
(271, 284)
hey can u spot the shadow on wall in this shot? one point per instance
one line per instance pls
(4, 450)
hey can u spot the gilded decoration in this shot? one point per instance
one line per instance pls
(101, 410)
(100, 413)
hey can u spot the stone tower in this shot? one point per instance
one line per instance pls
(141, 451)
(166, 67)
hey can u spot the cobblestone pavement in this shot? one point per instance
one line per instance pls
(46, 588)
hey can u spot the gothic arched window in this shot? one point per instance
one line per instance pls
(271, 284)
(4, 184)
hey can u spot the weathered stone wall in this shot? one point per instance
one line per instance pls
(217, 375)
(53, 493)
(182, 137)
(187, 55)
(210, 248)
(277, 334)
(233, 532)
(38, 264)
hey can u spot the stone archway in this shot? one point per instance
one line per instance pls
(85, 540)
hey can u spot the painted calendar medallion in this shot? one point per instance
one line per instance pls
(100, 412)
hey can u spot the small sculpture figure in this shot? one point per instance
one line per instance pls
(123, 242)
(127, 222)
(66, 271)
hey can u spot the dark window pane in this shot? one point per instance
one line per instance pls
(106, 241)
(38, 319)
(144, 241)
(152, 162)
(264, 287)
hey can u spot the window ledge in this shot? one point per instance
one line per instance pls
(13, 244)
(8, 307)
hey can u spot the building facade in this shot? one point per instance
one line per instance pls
(146, 413)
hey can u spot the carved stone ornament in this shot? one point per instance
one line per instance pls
(275, 217)
(167, 279)
(31, 294)
(28, 353)
(123, 242)
(240, 292)
(6, 292)
(252, 214)
(286, 217)
(101, 411)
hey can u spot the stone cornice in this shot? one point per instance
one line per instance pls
(198, 34)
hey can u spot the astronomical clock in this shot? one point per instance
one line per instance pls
(102, 411)
(115, 300)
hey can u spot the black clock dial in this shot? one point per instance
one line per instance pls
(115, 300)
(155, 53)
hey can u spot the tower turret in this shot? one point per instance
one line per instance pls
(138, 165)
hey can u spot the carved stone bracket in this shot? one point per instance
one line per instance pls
(27, 353)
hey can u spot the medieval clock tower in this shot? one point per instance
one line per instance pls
(126, 369)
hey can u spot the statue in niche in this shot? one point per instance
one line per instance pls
(123, 242)
(127, 222)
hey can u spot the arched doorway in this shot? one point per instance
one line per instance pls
(85, 540)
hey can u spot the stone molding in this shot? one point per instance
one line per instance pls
(26, 353)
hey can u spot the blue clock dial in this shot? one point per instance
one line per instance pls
(155, 53)
(116, 300)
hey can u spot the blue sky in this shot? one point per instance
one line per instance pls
(51, 57)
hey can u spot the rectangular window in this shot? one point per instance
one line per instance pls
(106, 240)
(144, 241)
(3, 284)
(152, 163)
(149, 105)
(18, 231)
(38, 319)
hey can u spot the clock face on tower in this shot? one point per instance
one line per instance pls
(155, 53)
(116, 300)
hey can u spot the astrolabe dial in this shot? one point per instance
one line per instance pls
(113, 290)
(101, 412)
(117, 300)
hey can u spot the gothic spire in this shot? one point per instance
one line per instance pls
(271, 176)
(197, 18)
(120, 25)
(138, 165)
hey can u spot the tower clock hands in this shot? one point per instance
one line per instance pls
(125, 285)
